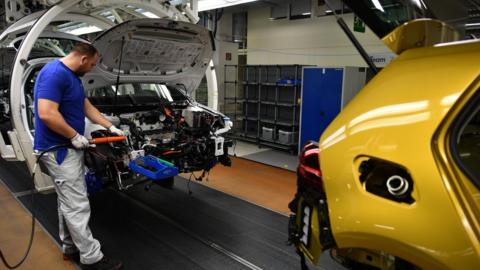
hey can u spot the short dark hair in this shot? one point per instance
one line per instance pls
(84, 49)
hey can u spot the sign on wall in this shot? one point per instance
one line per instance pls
(358, 25)
(382, 59)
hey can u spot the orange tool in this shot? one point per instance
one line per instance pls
(107, 139)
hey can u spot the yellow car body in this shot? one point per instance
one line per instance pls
(403, 116)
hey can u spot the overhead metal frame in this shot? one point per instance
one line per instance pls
(73, 10)
(23, 25)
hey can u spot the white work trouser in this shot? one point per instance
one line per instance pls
(73, 206)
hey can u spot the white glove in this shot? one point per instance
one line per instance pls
(79, 142)
(114, 130)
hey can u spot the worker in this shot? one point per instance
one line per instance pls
(60, 111)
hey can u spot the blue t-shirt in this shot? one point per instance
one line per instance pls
(56, 82)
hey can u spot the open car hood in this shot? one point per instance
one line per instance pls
(154, 50)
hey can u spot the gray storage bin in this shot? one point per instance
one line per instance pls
(251, 109)
(268, 74)
(289, 72)
(251, 73)
(267, 93)
(267, 112)
(267, 133)
(251, 92)
(287, 137)
(251, 128)
(286, 94)
(285, 114)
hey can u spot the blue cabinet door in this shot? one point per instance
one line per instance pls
(321, 101)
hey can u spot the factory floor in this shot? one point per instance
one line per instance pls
(264, 155)
(15, 225)
(263, 185)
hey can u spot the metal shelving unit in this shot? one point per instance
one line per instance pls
(231, 96)
(266, 104)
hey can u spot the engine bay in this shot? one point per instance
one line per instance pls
(182, 132)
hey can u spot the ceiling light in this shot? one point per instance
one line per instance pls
(377, 5)
(149, 14)
(214, 4)
(83, 30)
(420, 4)
(472, 24)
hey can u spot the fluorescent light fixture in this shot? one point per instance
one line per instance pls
(377, 5)
(145, 13)
(472, 24)
(108, 15)
(176, 2)
(420, 4)
(306, 13)
(214, 4)
(84, 30)
(150, 14)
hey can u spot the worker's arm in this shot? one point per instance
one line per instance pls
(95, 116)
(51, 117)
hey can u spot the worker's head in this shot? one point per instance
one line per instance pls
(85, 57)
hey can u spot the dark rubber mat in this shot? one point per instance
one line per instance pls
(245, 229)
(136, 236)
(170, 229)
(15, 175)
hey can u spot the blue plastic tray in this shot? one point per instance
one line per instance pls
(157, 168)
(94, 182)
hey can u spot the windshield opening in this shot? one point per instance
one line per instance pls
(154, 91)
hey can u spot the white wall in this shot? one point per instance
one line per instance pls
(313, 41)
(224, 27)
(224, 46)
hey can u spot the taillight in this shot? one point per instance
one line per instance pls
(309, 172)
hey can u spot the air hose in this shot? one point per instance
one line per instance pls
(32, 232)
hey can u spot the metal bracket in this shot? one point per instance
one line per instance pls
(6, 151)
(48, 3)
(187, 11)
(15, 10)
(16, 145)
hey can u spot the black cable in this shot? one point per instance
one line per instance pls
(188, 183)
(215, 24)
(32, 232)
(218, 16)
(235, 148)
(303, 263)
(354, 40)
(118, 74)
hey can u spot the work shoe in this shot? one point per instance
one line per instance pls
(74, 257)
(104, 264)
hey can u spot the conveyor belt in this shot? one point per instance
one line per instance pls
(170, 229)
